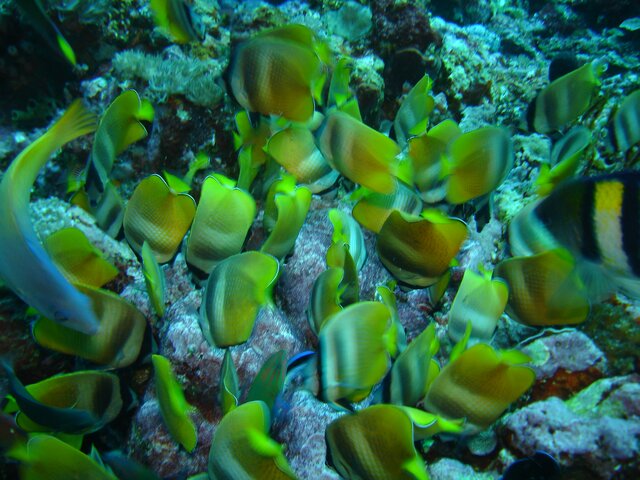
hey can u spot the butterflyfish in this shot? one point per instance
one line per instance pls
(544, 289)
(115, 344)
(479, 385)
(178, 19)
(375, 443)
(237, 288)
(415, 369)
(356, 345)
(65, 419)
(25, 267)
(49, 458)
(477, 163)
(158, 214)
(294, 148)
(413, 115)
(229, 391)
(221, 223)
(153, 279)
(481, 301)
(360, 153)
(596, 220)
(78, 259)
(624, 131)
(426, 153)
(119, 127)
(565, 99)
(285, 210)
(92, 397)
(269, 381)
(242, 448)
(173, 406)
(417, 250)
(34, 12)
(373, 208)
(126, 468)
(565, 159)
(279, 72)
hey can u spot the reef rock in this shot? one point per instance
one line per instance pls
(564, 363)
(596, 434)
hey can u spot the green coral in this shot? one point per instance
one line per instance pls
(196, 79)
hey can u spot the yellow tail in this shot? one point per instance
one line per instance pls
(75, 122)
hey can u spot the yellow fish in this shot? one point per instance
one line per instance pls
(279, 72)
(178, 19)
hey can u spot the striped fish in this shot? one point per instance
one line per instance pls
(178, 19)
(596, 219)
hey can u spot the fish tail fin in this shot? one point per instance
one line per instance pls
(543, 182)
(66, 49)
(599, 282)
(415, 467)
(629, 285)
(75, 122)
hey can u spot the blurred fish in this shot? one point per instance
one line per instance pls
(479, 385)
(269, 381)
(359, 152)
(624, 130)
(33, 11)
(11, 436)
(58, 418)
(179, 19)
(477, 163)
(154, 279)
(562, 64)
(565, 159)
(544, 289)
(374, 443)
(596, 219)
(242, 448)
(127, 468)
(539, 466)
(48, 457)
(565, 98)
(173, 406)
(25, 266)
(279, 72)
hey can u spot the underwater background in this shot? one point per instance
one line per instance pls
(318, 240)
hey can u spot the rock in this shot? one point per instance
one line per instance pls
(571, 350)
(450, 469)
(151, 444)
(303, 432)
(581, 433)
(613, 397)
(52, 214)
(565, 363)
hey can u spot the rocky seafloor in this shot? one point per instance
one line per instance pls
(487, 58)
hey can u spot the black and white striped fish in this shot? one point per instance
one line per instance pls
(595, 218)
